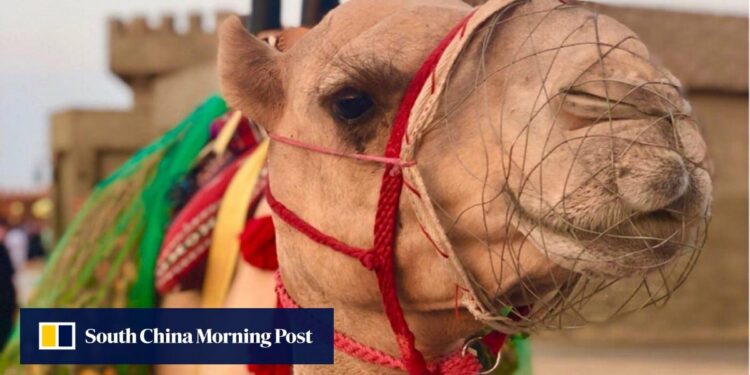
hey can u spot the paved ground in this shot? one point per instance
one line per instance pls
(553, 359)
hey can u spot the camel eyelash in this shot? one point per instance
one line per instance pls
(379, 77)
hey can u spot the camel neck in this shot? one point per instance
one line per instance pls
(353, 354)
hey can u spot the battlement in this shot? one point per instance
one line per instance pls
(138, 26)
(138, 51)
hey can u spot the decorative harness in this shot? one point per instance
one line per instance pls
(417, 106)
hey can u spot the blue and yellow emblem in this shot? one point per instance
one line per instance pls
(57, 336)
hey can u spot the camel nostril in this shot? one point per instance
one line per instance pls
(650, 183)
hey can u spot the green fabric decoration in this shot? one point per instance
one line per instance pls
(107, 255)
(176, 162)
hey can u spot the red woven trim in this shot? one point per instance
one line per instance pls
(453, 364)
(380, 259)
(366, 257)
(285, 300)
(182, 267)
(181, 250)
(458, 364)
(387, 213)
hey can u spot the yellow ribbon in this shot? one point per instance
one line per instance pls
(226, 133)
(230, 221)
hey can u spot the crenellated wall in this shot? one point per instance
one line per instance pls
(137, 50)
(140, 54)
(169, 73)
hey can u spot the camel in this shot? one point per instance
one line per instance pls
(542, 148)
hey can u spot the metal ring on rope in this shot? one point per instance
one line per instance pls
(498, 359)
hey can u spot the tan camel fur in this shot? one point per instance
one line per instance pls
(562, 149)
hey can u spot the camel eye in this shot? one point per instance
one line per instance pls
(350, 105)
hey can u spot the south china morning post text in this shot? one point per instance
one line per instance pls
(200, 336)
(176, 336)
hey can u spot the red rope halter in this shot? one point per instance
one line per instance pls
(455, 363)
(380, 258)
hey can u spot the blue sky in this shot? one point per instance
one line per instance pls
(53, 55)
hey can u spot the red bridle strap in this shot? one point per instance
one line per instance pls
(366, 257)
(380, 258)
(455, 364)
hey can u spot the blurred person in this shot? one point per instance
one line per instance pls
(17, 244)
(7, 289)
(36, 248)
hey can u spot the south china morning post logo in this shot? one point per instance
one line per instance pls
(57, 336)
(156, 336)
(176, 336)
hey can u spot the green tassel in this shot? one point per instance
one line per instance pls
(122, 222)
(192, 135)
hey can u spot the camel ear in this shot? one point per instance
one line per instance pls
(250, 74)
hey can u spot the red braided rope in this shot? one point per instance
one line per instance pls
(387, 213)
(454, 364)
(364, 256)
(340, 341)
(380, 258)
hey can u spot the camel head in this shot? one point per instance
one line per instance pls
(557, 152)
